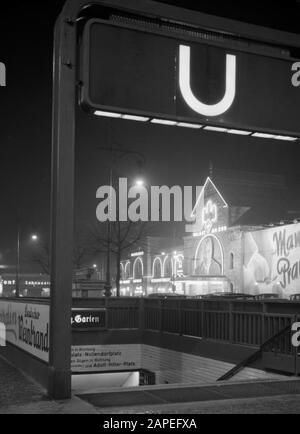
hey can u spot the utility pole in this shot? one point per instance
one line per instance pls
(18, 265)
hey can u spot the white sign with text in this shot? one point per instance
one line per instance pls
(106, 358)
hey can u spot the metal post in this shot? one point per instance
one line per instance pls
(107, 286)
(63, 140)
(18, 265)
(141, 314)
(231, 323)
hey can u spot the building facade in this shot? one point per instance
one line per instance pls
(30, 285)
(153, 269)
(222, 253)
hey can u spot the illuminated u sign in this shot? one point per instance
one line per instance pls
(188, 95)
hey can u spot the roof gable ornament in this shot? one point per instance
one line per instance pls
(210, 211)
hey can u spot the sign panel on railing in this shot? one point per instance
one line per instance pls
(85, 319)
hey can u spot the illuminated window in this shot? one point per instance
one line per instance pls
(122, 271)
(157, 268)
(209, 257)
(138, 269)
(168, 267)
(127, 271)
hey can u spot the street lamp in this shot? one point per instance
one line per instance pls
(141, 161)
(139, 183)
(107, 286)
(34, 238)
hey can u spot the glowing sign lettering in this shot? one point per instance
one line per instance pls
(188, 95)
(134, 255)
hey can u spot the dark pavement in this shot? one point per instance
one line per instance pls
(181, 394)
(16, 389)
(20, 395)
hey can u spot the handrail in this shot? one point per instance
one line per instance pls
(251, 359)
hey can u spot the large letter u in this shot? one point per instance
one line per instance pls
(188, 95)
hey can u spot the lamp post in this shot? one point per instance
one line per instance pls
(34, 238)
(107, 285)
(18, 265)
(120, 153)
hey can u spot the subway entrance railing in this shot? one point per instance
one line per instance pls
(229, 331)
(244, 326)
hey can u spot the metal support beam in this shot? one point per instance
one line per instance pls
(63, 150)
(62, 213)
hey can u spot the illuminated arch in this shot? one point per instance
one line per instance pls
(221, 250)
(127, 275)
(134, 267)
(122, 270)
(188, 95)
(157, 259)
(176, 260)
(164, 266)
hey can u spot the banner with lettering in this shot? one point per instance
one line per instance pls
(272, 261)
(27, 327)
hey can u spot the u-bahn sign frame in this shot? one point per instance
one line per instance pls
(65, 100)
(172, 74)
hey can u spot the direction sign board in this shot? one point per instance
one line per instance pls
(86, 319)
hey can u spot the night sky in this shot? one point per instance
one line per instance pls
(172, 157)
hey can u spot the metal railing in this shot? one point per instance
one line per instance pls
(242, 322)
(248, 323)
(270, 344)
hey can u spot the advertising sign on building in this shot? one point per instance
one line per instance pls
(272, 261)
(27, 327)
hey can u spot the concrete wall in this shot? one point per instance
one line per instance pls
(174, 367)
(170, 366)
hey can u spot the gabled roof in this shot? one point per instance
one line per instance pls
(208, 183)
